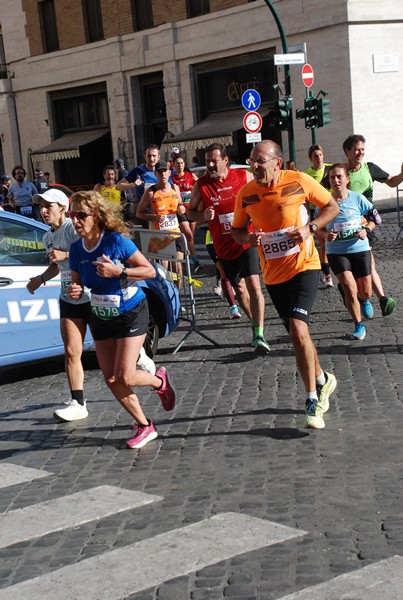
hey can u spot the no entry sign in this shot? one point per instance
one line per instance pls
(307, 75)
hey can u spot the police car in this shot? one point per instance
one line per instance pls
(29, 324)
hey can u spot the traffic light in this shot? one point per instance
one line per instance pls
(311, 112)
(300, 113)
(281, 113)
(322, 112)
(283, 110)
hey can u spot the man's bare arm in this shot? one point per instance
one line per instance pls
(144, 204)
(327, 213)
(196, 210)
(395, 180)
(123, 185)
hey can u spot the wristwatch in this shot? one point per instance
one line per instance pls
(313, 227)
(123, 274)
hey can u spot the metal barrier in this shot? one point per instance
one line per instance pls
(161, 246)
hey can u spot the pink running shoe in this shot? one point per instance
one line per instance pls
(142, 434)
(167, 392)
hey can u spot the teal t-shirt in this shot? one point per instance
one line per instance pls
(347, 223)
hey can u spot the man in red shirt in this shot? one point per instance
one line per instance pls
(213, 200)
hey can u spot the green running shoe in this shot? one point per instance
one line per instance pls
(387, 305)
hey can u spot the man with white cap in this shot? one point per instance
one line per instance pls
(175, 152)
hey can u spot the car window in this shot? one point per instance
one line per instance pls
(21, 244)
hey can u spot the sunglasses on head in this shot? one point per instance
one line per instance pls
(79, 214)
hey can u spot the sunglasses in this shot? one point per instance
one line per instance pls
(81, 215)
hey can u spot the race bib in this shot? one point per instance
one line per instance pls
(65, 279)
(277, 244)
(169, 222)
(225, 222)
(26, 211)
(105, 306)
(347, 230)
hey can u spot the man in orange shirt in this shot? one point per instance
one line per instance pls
(160, 205)
(277, 204)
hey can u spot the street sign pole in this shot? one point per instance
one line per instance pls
(252, 120)
(287, 78)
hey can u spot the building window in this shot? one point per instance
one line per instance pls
(83, 112)
(47, 15)
(142, 13)
(196, 8)
(150, 113)
(94, 30)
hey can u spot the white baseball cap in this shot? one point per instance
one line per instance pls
(52, 195)
(175, 150)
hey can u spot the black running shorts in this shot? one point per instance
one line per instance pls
(129, 324)
(246, 264)
(359, 263)
(293, 299)
(68, 310)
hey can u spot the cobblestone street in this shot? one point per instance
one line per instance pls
(312, 505)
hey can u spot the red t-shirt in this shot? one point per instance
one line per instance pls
(221, 195)
(185, 182)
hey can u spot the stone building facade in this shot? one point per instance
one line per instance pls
(86, 81)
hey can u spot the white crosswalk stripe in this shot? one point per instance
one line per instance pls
(148, 563)
(151, 562)
(382, 580)
(11, 474)
(69, 511)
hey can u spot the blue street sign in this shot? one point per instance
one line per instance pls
(251, 100)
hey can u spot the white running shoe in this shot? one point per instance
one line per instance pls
(72, 412)
(217, 289)
(145, 363)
